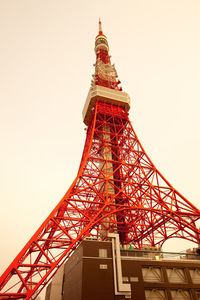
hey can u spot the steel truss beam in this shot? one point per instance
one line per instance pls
(117, 189)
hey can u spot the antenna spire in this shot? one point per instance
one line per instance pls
(100, 27)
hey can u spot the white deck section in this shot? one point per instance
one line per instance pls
(106, 95)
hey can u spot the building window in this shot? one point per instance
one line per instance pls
(152, 274)
(180, 295)
(103, 253)
(195, 275)
(198, 294)
(176, 275)
(155, 294)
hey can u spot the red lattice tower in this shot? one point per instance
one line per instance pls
(117, 189)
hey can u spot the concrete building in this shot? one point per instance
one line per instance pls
(101, 270)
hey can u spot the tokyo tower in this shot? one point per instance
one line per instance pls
(117, 190)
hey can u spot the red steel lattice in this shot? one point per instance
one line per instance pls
(117, 189)
(132, 196)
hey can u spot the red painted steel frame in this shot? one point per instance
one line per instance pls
(132, 198)
(117, 189)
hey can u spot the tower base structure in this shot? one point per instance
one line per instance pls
(97, 271)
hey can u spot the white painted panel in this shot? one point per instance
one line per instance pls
(134, 279)
(103, 267)
(125, 279)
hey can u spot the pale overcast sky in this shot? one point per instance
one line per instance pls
(46, 64)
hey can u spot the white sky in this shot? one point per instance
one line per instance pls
(46, 64)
